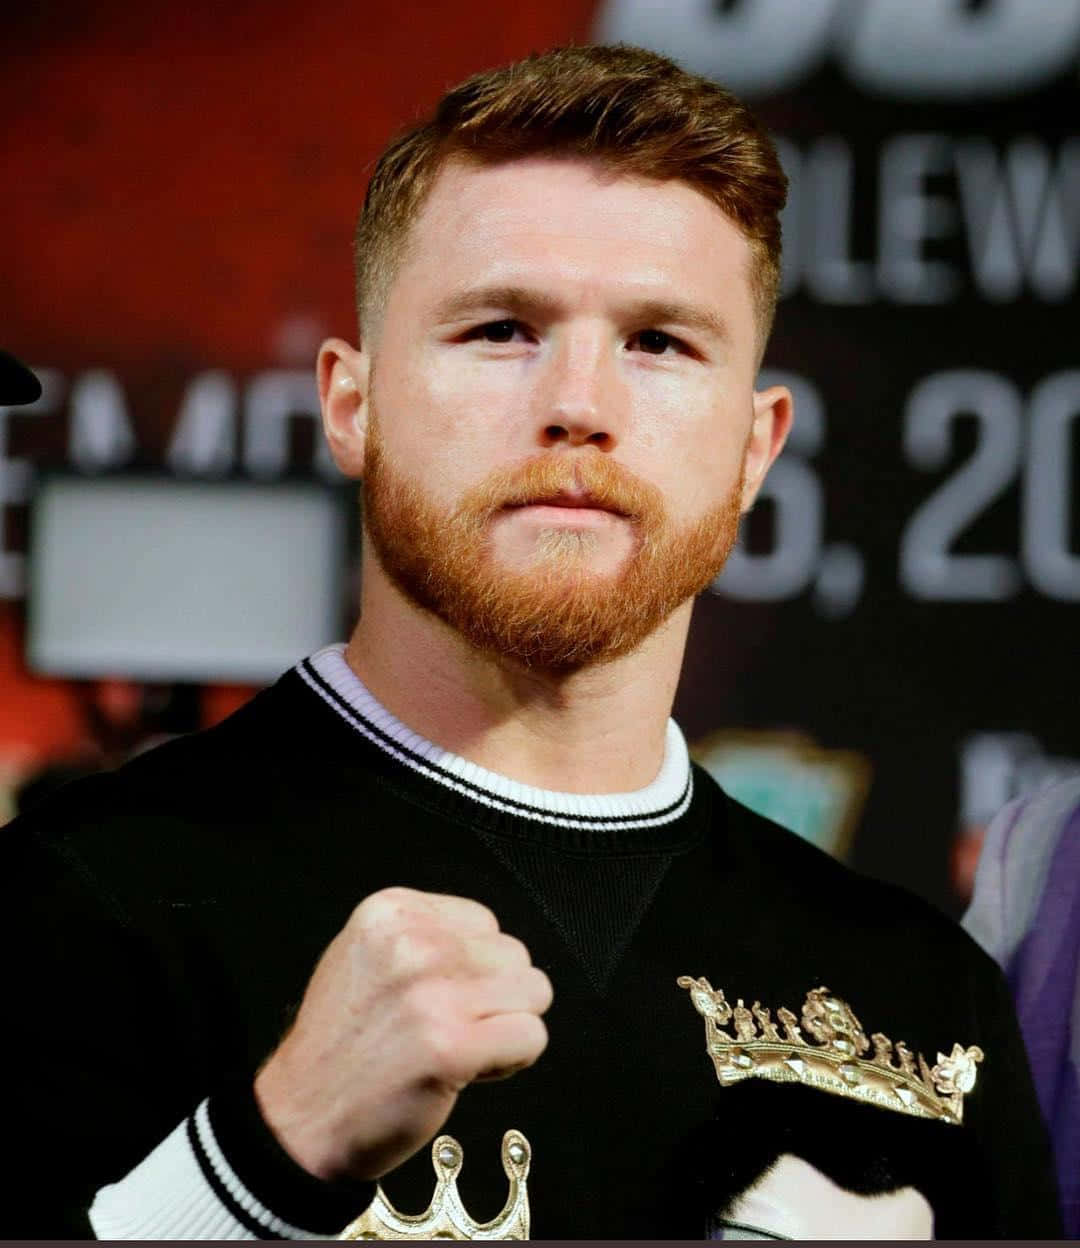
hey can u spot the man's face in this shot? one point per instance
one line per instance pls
(560, 407)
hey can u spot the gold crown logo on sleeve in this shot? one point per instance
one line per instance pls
(833, 1058)
(446, 1217)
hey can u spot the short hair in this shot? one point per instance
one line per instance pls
(629, 109)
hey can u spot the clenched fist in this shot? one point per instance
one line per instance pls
(418, 995)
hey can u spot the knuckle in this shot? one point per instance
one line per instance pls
(536, 1034)
(442, 1052)
(485, 914)
(399, 896)
(545, 991)
(530, 1037)
(391, 925)
(413, 951)
(384, 906)
(513, 951)
(359, 916)
(438, 1045)
(467, 911)
(370, 914)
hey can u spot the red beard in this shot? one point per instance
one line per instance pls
(559, 614)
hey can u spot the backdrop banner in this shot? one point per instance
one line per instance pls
(892, 652)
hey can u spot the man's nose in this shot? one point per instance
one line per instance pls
(579, 404)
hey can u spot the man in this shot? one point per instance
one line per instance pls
(476, 821)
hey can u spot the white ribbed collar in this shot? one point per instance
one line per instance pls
(662, 801)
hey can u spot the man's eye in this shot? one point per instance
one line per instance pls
(654, 341)
(497, 331)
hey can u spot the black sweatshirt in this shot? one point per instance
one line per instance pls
(161, 923)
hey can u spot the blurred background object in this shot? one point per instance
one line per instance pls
(17, 383)
(1026, 915)
(183, 581)
(790, 779)
(996, 768)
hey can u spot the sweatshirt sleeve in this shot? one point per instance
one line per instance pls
(220, 1174)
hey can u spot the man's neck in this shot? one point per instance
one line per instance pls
(597, 730)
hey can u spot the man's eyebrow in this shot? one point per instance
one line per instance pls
(674, 312)
(514, 299)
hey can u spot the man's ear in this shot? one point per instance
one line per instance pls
(773, 410)
(343, 375)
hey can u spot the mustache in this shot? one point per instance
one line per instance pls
(597, 482)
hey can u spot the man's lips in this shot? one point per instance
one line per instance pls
(570, 499)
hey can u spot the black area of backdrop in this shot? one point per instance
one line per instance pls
(907, 680)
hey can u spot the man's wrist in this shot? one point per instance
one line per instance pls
(268, 1170)
(221, 1174)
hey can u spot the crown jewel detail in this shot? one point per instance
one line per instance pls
(446, 1217)
(834, 1058)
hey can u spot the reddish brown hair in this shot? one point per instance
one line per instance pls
(631, 110)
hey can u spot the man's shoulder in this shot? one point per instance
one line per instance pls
(163, 772)
(817, 889)
(788, 918)
(164, 810)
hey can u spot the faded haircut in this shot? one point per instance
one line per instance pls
(629, 110)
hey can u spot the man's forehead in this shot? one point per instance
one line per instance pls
(503, 188)
(577, 213)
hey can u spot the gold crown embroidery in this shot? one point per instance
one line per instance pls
(446, 1217)
(833, 1057)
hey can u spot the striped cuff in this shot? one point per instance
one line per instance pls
(215, 1177)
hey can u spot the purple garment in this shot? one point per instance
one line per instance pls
(1026, 913)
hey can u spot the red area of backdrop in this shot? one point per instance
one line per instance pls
(180, 176)
(181, 183)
